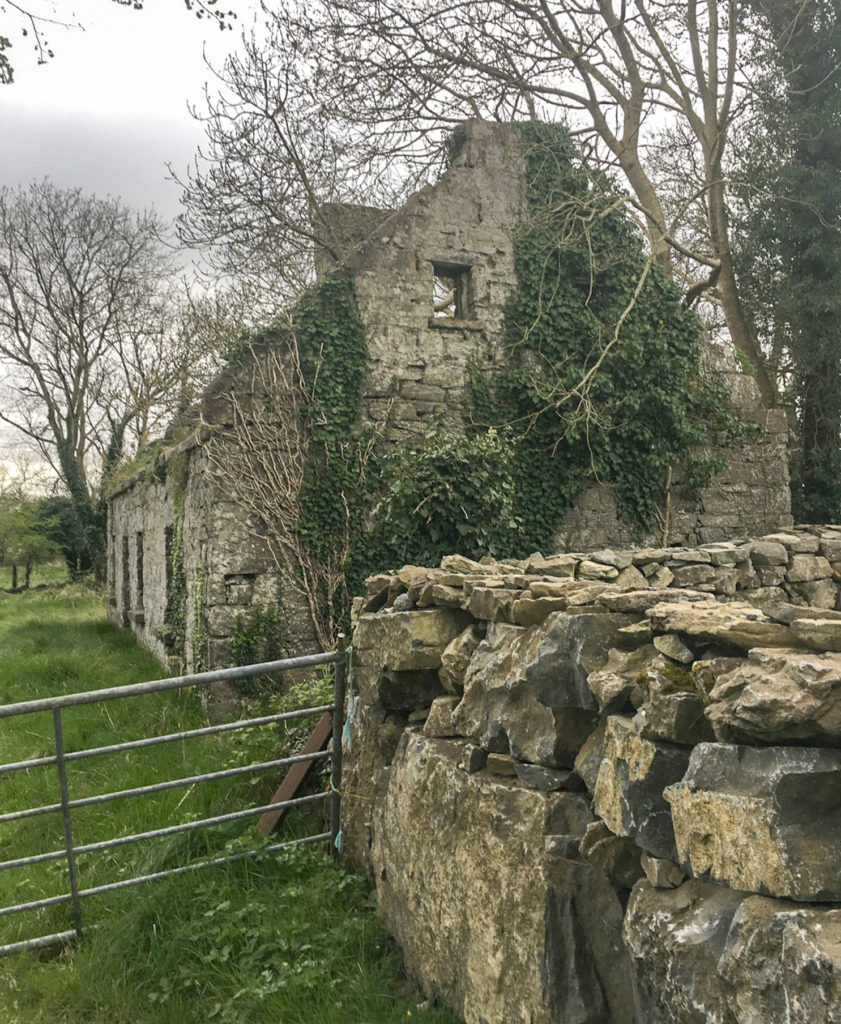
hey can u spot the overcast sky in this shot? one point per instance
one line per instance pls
(111, 109)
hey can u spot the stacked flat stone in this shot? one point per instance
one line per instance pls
(682, 708)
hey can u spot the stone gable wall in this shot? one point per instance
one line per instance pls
(603, 787)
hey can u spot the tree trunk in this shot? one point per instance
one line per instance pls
(655, 219)
(734, 315)
(14, 577)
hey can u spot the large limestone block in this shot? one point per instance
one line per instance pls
(574, 646)
(589, 980)
(765, 552)
(822, 634)
(403, 641)
(804, 568)
(673, 709)
(704, 954)
(675, 938)
(736, 623)
(498, 700)
(765, 820)
(642, 600)
(456, 657)
(629, 789)
(783, 963)
(817, 593)
(531, 684)
(369, 746)
(777, 696)
(489, 921)
(615, 684)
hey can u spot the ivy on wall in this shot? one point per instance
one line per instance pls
(260, 634)
(174, 632)
(198, 637)
(600, 375)
(444, 493)
(333, 352)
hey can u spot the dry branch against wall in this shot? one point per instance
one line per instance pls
(259, 455)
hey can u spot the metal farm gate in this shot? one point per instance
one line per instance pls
(329, 727)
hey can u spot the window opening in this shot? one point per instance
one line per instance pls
(451, 292)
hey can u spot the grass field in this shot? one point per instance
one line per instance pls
(287, 939)
(49, 574)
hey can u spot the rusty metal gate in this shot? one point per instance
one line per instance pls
(64, 805)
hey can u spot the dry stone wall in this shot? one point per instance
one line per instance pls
(603, 787)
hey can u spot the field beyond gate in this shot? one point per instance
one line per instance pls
(61, 801)
(285, 937)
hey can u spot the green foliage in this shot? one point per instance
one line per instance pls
(46, 574)
(786, 232)
(285, 738)
(25, 534)
(260, 634)
(198, 639)
(333, 353)
(601, 376)
(78, 528)
(174, 633)
(446, 493)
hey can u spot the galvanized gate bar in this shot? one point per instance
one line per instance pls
(221, 675)
(66, 897)
(158, 787)
(65, 814)
(66, 805)
(61, 938)
(153, 741)
(336, 765)
(170, 830)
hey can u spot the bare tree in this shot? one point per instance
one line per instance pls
(260, 455)
(33, 21)
(85, 333)
(279, 155)
(381, 82)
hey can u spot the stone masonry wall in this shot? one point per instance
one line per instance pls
(418, 363)
(227, 566)
(603, 787)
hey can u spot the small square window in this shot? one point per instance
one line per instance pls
(451, 298)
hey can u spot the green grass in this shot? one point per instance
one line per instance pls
(49, 574)
(287, 939)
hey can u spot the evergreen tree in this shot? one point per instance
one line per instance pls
(790, 254)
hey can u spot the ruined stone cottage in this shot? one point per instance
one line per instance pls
(431, 280)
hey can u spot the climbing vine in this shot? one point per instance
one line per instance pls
(260, 634)
(175, 617)
(174, 633)
(600, 374)
(198, 637)
(342, 470)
